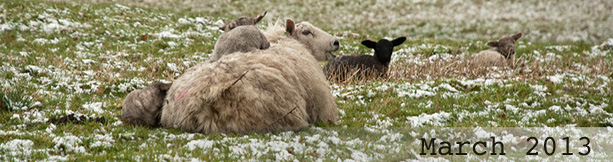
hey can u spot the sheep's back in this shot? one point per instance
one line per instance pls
(488, 58)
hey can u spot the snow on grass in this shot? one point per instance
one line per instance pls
(436, 119)
(95, 107)
(103, 141)
(603, 49)
(68, 144)
(556, 79)
(201, 144)
(17, 147)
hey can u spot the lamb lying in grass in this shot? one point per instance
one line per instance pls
(501, 54)
(363, 66)
(241, 36)
(143, 106)
(279, 88)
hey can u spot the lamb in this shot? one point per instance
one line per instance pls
(501, 54)
(241, 36)
(242, 21)
(143, 106)
(279, 88)
(363, 66)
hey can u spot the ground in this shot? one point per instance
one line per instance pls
(82, 58)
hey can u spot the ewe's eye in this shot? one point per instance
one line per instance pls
(306, 32)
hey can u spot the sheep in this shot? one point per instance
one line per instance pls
(363, 66)
(307, 30)
(501, 54)
(144, 106)
(279, 88)
(241, 36)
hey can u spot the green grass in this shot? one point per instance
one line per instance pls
(97, 53)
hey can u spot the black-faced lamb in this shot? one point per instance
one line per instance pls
(363, 66)
(279, 88)
(241, 36)
(501, 54)
(144, 106)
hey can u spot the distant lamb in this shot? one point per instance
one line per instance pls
(363, 66)
(143, 106)
(241, 36)
(501, 54)
(280, 88)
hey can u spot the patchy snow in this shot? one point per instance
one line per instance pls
(95, 107)
(436, 119)
(168, 34)
(68, 144)
(556, 79)
(17, 146)
(103, 141)
(201, 144)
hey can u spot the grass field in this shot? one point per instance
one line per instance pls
(59, 58)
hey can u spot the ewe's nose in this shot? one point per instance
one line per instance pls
(335, 45)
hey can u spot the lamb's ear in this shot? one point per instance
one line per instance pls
(259, 17)
(164, 87)
(369, 43)
(289, 26)
(517, 36)
(493, 44)
(399, 41)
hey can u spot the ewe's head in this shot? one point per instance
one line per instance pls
(144, 106)
(505, 45)
(320, 43)
(384, 48)
(242, 21)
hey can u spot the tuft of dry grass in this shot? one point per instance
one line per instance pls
(526, 68)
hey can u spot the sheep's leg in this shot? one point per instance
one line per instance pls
(323, 106)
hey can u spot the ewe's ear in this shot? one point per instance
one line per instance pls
(399, 41)
(369, 43)
(164, 87)
(259, 17)
(289, 26)
(493, 44)
(517, 36)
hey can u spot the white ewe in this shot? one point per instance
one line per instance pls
(280, 88)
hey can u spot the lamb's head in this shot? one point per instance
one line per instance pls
(242, 21)
(144, 106)
(384, 48)
(505, 45)
(320, 43)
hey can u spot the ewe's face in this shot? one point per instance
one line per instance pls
(320, 43)
(506, 45)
